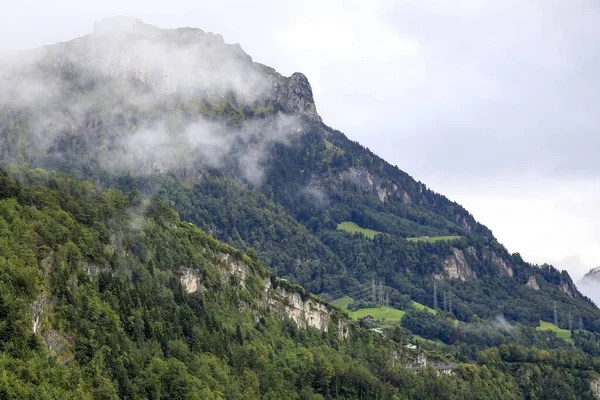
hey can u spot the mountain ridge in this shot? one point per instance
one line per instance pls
(128, 104)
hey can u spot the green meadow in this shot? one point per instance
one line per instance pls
(561, 333)
(352, 227)
(433, 239)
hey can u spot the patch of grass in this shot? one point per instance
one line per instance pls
(564, 334)
(391, 315)
(420, 306)
(352, 227)
(433, 238)
(328, 145)
(343, 302)
(417, 339)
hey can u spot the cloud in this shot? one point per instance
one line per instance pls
(316, 195)
(503, 325)
(119, 93)
(591, 290)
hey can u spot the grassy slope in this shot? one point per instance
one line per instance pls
(354, 228)
(433, 238)
(391, 315)
(561, 333)
(343, 302)
(420, 306)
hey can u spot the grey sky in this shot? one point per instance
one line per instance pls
(491, 103)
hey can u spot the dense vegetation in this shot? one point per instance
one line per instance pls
(116, 321)
(91, 301)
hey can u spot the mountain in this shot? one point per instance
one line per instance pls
(240, 151)
(163, 132)
(590, 284)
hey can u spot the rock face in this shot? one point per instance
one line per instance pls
(191, 280)
(188, 62)
(365, 181)
(595, 388)
(298, 96)
(457, 267)
(532, 283)
(286, 300)
(505, 269)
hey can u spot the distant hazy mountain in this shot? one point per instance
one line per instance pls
(589, 285)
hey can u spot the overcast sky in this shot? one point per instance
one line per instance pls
(492, 103)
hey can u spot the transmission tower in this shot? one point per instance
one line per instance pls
(445, 302)
(570, 321)
(373, 290)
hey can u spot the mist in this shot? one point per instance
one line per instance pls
(591, 290)
(140, 100)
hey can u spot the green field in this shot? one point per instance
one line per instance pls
(351, 227)
(343, 302)
(561, 333)
(433, 239)
(420, 306)
(418, 339)
(391, 315)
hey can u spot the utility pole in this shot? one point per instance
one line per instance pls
(435, 299)
(555, 314)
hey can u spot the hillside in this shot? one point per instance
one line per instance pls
(105, 296)
(590, 285)
(190, 168)
(240, 151)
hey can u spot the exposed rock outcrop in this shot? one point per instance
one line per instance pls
(595, 388)
(457, 267)
(365, 181)
(191, 280)
(532, 283)
(59, 345)
(565, 288)
(288, 301)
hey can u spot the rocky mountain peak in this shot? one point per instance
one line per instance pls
(183, 61)
(298, 96)
(594, 275)
(123, 25)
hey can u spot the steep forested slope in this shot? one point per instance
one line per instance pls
(240, 151)
(103, 296)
